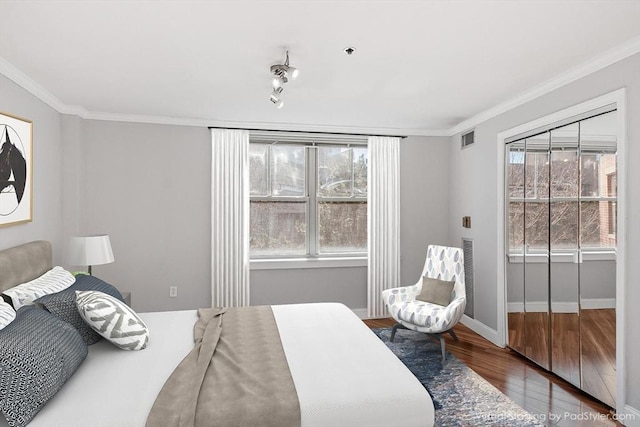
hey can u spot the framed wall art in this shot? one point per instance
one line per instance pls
(16, 163)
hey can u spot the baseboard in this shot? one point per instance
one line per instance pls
(596, 303)
(361, 312)
(482, 330)
(629, 417)
(562, 307)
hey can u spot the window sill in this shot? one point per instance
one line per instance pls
(295, 263)
(567, 257)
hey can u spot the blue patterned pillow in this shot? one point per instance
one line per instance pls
(63, 304)
(38, 354)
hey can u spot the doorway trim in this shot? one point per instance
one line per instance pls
(617, 97)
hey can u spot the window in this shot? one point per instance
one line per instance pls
(307, 200)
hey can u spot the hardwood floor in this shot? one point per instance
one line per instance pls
(543, 394)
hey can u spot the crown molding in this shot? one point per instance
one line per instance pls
(303, 127)
(618, 53)
(612, 56)
(21, 79)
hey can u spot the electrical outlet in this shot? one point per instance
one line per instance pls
(173, 291)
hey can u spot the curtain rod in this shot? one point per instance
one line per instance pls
(306, 131)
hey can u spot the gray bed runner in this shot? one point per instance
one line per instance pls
(236, 375)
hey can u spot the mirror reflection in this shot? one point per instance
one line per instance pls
(561, 190)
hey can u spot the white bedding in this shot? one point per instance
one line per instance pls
(344, 375)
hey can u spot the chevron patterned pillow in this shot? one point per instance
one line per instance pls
(112, 319)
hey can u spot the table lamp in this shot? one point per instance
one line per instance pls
(90, 250)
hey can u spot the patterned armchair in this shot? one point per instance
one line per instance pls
(442, 263)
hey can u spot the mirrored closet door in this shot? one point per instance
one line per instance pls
(561, 238)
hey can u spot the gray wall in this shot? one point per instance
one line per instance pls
(347, 285)
(424, 198)
(47, 169)
(473, 175)
(148, 187)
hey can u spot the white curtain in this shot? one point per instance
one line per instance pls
(383, 212)
(229, 218)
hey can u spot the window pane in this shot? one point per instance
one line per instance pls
(287, 170)
(598, 170)
(516, 227)
(278, 228)
(598, 224)
(515, 170)
(360, 164)
(564, 225)
(537, 167)
(590, 170)
(537, 226)
(335, 174)
(343, 226)
(612, 223)
(564, 173)
(612, 185)
(258, 170)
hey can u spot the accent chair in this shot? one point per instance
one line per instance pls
(409, 305)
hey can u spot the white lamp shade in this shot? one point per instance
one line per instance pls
(90, 250)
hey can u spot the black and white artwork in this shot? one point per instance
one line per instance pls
(15, 170)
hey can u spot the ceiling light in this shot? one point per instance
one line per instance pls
(278, 81)
(293, 72)
(278, 102)
(281, 75)
(276, 94)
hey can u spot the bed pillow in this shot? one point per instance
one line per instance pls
(38, 354)
(113, 319)
(63, 304)
(50, 282)
(7, 314)
(436, 291)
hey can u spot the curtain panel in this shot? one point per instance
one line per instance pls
(383, 213)
(229, 218)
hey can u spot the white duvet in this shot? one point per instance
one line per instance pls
(344, 375)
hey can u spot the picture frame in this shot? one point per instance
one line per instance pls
(16, 170)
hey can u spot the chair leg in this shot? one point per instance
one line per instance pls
(442, 344)
(395, 329)
(453, 334)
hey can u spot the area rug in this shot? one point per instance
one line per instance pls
(460, 396)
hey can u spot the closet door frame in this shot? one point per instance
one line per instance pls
(617, 98)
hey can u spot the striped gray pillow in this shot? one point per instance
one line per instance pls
(50, 282)
(112, 319)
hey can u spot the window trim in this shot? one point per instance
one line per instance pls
(307, 262)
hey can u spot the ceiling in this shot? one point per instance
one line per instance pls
(419, 67)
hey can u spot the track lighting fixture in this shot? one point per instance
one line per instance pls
(281, 75)
(276, 96)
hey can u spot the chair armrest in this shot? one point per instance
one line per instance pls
(401, 294)
(455, 310)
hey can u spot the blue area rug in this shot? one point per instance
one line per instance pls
(460, 396)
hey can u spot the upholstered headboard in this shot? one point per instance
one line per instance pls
(25, 262)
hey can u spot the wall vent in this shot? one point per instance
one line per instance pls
(467, 249)
(468, 138)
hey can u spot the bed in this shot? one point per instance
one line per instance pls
(343, 374)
